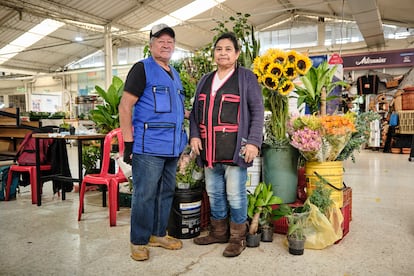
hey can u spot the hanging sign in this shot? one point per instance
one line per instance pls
(335, 59)
(396, 58)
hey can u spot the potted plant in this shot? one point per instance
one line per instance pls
(90, 156)
(266, 225)
(188, 175)
(259, 203)
(317, 87)
(296, 230)
(276, 69)
(106, 115)
(64, 127)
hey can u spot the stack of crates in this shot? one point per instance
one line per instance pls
(406, 121)
(346, 211)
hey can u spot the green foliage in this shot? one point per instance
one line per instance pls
(282, 211)
(200, 63)
(187, 176)
(188, 172)
(90, 155)
(147, 52)
(321, 197)
(250, 46)
(360, 137)
(191, 70)
(314, 81)
(297, 223)
(189, 86)
(259, 208)
(106, 116)
(65, 126)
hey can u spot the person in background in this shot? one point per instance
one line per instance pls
(151, 114)
(226, 133)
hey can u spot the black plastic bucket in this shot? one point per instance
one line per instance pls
(184, 222)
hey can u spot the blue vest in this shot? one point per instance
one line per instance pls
(158, 118)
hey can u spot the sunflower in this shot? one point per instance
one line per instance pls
(276, 66)
(292, 56)
(302, 64)
(286, 87)
(276, 55)
(290, 71)
(270, 81)
(275, 69)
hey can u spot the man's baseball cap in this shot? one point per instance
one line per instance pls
(159, 29)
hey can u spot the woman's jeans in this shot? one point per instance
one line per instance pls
(226, 189)
(152, 196)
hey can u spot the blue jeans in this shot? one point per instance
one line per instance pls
(226, 189)
(152, 196)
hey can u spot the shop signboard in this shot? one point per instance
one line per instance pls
(397, 58)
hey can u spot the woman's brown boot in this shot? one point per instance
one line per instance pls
(219, 233)
(237, 242)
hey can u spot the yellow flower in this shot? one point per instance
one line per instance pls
(292, 56)
(286, 87)
(275, 69)
(303, 64)
(270, 81)
(276, 66)
(277, 56)
(290, 71)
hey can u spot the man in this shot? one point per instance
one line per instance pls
(151, 115)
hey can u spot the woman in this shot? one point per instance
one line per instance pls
(226, 131)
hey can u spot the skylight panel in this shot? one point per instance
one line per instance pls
(191, 10)
(29, 38)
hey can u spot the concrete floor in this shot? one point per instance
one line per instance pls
(48, 240)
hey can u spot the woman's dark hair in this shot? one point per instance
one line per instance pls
(232, 37)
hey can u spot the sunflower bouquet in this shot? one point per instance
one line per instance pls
(321, 138)
(276, 69)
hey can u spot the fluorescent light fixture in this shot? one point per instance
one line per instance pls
(29, 38)
(191, 10)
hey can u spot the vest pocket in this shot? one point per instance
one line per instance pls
(159, 138)
(225, 143)
(162, 98)
(202, 108)
(229, 109)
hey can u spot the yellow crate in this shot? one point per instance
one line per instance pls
(406, 121)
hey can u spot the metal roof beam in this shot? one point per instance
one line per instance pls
(368, 19)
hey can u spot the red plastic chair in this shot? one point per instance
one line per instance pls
(32, 177)
(111, 180)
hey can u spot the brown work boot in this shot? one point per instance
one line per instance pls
(166, 242)
(219, 233)
(139, 252)
(237, 242)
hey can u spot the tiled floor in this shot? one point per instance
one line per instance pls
(48, 240)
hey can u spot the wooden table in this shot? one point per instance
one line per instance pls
(79, 138)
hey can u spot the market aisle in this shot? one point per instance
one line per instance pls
(48, 240)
